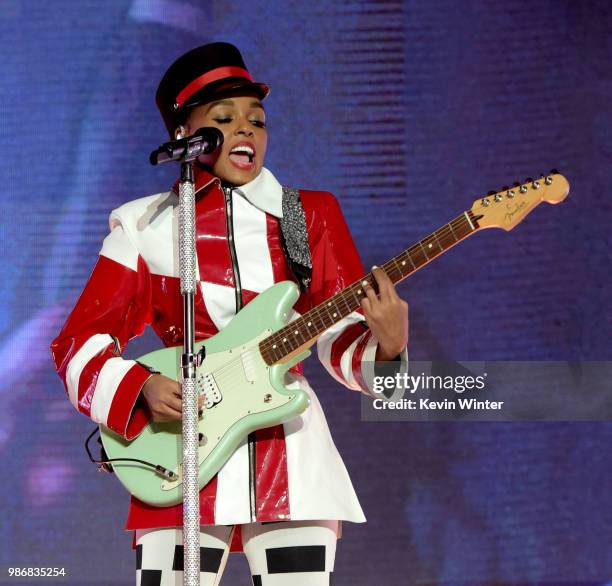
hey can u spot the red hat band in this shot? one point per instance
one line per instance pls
(209, 77)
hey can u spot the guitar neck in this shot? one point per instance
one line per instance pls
(303, 331)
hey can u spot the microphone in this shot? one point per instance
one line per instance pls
(204, 141)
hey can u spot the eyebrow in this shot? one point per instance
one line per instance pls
(226, 102)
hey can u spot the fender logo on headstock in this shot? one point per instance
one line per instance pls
(517, 207)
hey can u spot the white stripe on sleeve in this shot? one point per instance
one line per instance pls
(324, 348)
(91, 348)
(109, 379)
(117, 247)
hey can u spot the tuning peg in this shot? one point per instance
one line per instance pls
(505, 188)
(554, 172)
(534, 184)
(494, 195)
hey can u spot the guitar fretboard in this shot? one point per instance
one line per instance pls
(302, 331)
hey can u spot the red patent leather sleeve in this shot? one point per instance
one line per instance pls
(114, 307)
(348, 349)
(336, 264)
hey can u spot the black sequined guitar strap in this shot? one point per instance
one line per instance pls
(295, 237)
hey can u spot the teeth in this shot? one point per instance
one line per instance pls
(243, 149)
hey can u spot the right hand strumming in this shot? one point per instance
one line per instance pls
(163, 396)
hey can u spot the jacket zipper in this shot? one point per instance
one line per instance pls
(229, 216)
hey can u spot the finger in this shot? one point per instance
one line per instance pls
(386, 289)
(369, 291)
(366, 305)
(168, 414)
(177, 389)
(173, 402)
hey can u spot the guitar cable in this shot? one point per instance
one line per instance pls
(104, 464)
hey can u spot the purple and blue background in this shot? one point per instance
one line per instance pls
(408, 112)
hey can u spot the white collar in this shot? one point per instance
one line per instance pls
(264, 192)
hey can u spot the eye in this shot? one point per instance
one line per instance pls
(259, 123)
(223, 120)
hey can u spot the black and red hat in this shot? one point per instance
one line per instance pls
(201, 75)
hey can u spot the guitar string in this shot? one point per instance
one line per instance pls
(318, 311)
(231, 372)
(265, 344)
(348, 295)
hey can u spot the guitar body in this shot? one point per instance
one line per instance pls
(243, 394)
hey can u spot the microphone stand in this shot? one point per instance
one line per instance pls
(189, 362)
(205, 141)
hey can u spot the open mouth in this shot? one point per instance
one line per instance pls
(242, 156)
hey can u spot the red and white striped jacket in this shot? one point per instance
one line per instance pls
(298, 471)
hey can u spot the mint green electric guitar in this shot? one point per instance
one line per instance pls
(242, 376)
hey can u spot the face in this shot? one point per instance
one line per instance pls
(242, 120)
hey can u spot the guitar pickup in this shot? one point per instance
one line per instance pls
(207, 386)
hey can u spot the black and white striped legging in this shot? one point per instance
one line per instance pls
(296, 553)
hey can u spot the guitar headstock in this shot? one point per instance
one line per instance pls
(507, 208)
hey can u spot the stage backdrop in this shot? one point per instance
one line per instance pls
(407, 112)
